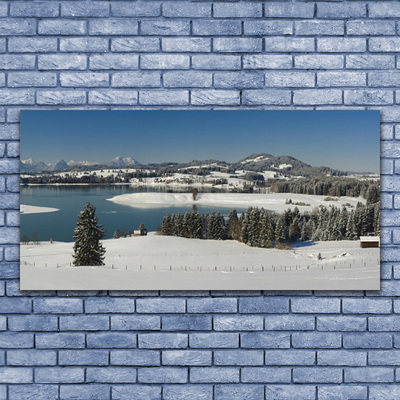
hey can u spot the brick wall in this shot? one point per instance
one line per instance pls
(199, 345)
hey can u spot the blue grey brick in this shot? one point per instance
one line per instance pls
(109, 96)
(382, 10)
(34, 79)
(263, 305)
(289, 357)
(237, 10)
(64, 97)
(113, 27)
(184, 392)
(318, 27)
(111, 375)
(289, 79)
(342, 358)
(288, 10)
(194, 45)
(135, 44)
(15, 305)
(10, 270)
(387, 44)
(135, 322)
(267, 340)
(156, 98)
(368, 374)
(83, 79)
(266, 96)
(381, 392)
(87, 392)
(34, 9)
(217, 27)
(162, 375)
(341, 45)
(319, 61)
(135, 357)
(212, 305)
(16, 340)
(111, 340)
(186, 79)
(11, 254)
(366, 306)
(290, 392)
(214, 375)
(369, 61)
(215, 62)
(238, 357)
(186, 323)
(367, 341)
(32, 323)
(109, 305)
(3, 9)
(341, 11)
(384, 357)
(84, 322)
(163, 340)
(287, 44)
(385, 323)
(31, 357)
(87, 9)
(19, 26)
(268, 27)
(32, 45)
(289, 323)
(61, 27)
(239, 392)
(319, 306)
(16, 375)
(365, 27)
(60, 340)
(87, 45)
(83, 357)
(135, 9)
(37, 392)
(3, 323)
(114, 61)
(317, 375)
(164, 27)
(215, 97)
(60, 375)
(342, 78)
(341, 323)
(237, 45)
(184, 9)
(368, 97)
(2, 84)
(214, 340)
(164, 61)
(317, 96)
(240, 323)
(57, 306)
(239, 80)
(136, 392)
(266, 375)
(17, 61)
(186, 357)
(321, 340)
(62, 61)
(384, 78)
(343, 392)
(11, 131)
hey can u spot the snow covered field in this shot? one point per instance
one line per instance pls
(271, 201)
(25, 209)
(172, 263)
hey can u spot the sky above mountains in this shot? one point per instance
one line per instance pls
(345, 140)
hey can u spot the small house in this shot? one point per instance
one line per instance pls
(369, 241)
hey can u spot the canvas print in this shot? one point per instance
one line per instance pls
(200, 200)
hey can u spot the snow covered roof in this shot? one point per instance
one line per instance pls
(369, 238)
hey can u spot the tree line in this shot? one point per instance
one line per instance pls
(259, 228)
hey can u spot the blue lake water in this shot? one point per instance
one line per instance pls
(71, 199)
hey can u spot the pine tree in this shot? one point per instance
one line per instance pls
(280, 236)
(88, 250)
(233, 230)
(166, 228)
(377, 219)
(351, 233)
(294, 231)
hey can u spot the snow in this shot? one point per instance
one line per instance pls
(283, 166)
(257, 159)
(171, 263)
(25, 209)
(270, 201)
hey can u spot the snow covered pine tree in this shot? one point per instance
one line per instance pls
(88, 250)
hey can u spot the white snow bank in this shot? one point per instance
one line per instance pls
(25, 209)
(171, 263)
(270, 201)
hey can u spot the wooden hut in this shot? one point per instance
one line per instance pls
(369, 241)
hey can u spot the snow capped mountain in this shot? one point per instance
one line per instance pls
(31, 165)
(123, 162)
(73, 163)
(60, 165)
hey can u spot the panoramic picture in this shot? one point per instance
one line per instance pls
(200, 200)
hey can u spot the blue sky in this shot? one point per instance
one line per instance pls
(346, 140)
